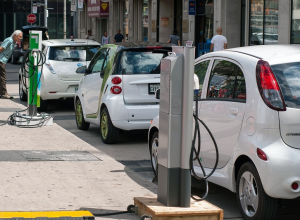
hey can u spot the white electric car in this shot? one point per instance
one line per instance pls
(117, 90)
(59, 79)
(250, 100)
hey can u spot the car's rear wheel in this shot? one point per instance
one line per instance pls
(109, 133)
(43, 105)
(252, 200)
(154, 153)
(81, 123)
(22, 93)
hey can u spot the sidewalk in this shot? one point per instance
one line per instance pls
(50, 169)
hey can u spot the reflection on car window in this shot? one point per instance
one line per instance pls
(288, 76)
(72, 53)
(226, 81)
(140, 62)
(200, 71)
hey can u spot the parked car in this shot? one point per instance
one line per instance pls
(117, 90)
(22, 46)
(250, 101)
(59, 79)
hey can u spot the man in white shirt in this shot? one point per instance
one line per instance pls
(218, 42)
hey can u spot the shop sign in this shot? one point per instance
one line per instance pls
(80, 5)
(104, 8)
(189, 43)
(164, 21)
(93, 8)
(73, 5)
(192, 7)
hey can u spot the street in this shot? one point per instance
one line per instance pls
(132, 151)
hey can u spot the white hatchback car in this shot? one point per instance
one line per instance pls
(59, 79)
(117, 90)
(250, 101)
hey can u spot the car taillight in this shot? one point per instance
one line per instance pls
(268, 86)
(50, 67)
(262, 155)
(116, 80)
(115, 89)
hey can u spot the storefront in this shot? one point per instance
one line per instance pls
(13, 15)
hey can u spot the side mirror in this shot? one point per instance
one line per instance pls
(102, 73)
(157, 94)
(81, 70)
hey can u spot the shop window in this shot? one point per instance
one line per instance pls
(263, 22)
(295, 36)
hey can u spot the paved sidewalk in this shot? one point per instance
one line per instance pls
(32, 179)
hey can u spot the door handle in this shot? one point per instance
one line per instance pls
(233, 111)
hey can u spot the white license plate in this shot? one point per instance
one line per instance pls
(76, 89)
(152, 88)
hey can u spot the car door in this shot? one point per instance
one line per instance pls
(91, 83)
(222, 109)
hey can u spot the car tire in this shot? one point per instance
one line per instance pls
(81, 123)
(13, 60)
(43, 105)
(154, 153)
(109, 133)
(22, 93)
(252, 200)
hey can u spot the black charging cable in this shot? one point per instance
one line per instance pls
(195, 153)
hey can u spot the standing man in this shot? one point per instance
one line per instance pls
(119, 37)
(6, 50)
(218, 42)
(89, 35)
(174, 38)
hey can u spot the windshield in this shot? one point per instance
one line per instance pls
(140, 62)
(73, 53)
(288, 77)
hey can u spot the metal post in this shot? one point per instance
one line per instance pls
(45, 13)
(65, 19)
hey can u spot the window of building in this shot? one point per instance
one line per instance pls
(126, 8)
(263, 22)
(145, 20)
(295, 36)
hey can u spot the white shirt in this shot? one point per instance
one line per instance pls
(219, 41)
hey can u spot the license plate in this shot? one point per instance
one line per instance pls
(76, 89)
(152, 88)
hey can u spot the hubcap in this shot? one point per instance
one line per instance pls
(104, 125)
(248, 194)
(79, 114)
(154, 159)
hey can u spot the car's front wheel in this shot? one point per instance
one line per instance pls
(154, 153)
(81, 123)
(22, 94)
(43, 105)
(253, 202)
(109, 133)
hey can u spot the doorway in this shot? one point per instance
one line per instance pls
(178, 18)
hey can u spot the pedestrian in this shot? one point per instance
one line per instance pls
(6, 50)
(105, 39)
(218, 42)
(47, 36)
(119, 37)
(174, 38)
(89, 35)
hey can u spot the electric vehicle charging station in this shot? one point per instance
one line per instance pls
(176, 127)
(33, 78)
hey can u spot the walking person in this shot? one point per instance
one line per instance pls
(119, 37)
(174, 38)
(6, 50)
(105, 39)
(89, 35)
(218, 42)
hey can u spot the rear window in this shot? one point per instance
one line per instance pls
(72, 53)
(288, 77)
(133, 62)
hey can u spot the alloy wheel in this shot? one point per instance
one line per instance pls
(79, 114)
(104, 125)
(248, 194)
(154, 153)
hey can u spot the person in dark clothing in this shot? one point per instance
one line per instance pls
(119, 37)
(174, 38)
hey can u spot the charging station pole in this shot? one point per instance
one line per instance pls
(176, 127)
(35, 45)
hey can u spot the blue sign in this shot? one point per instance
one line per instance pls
(79, 64)
(192, 7)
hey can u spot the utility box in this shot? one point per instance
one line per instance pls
(175, 127)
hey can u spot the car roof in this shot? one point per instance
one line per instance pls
(63, 42)
(143, 44)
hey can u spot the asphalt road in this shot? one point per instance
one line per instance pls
(132, 151)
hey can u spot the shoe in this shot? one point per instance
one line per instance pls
(6, 96)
